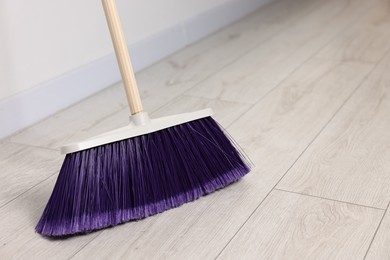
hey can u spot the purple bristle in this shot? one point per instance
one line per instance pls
(140, 176)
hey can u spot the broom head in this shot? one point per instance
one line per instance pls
(140, 170)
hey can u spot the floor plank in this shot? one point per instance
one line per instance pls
(204, 58)
(252, 76)
(380, 249)
(291, 226)
(225, 112)
(355, 143)
(22, 167)
(18, 239)
(366, 41)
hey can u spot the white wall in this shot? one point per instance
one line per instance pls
(50, 49)
(42, 39)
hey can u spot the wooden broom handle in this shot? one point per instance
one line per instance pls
(122, 56)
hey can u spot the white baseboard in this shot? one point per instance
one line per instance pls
(38, 102)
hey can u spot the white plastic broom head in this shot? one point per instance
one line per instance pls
(140, 124)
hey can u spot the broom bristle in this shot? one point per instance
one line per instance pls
(140, 176)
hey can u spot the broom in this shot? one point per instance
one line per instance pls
(142, 169)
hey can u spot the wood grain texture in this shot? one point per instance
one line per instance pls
(203, 59)
(290, 226)
(18, 239)
(22, 167)
(225, 112)
(350, 161)
(273, 133)
(297, 110)
(366, 41)
(380, 249)
(256, 73)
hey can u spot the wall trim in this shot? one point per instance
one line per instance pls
(30, 106)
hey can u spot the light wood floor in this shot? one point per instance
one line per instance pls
(304, 88)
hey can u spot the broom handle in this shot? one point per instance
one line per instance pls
(122, 56)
